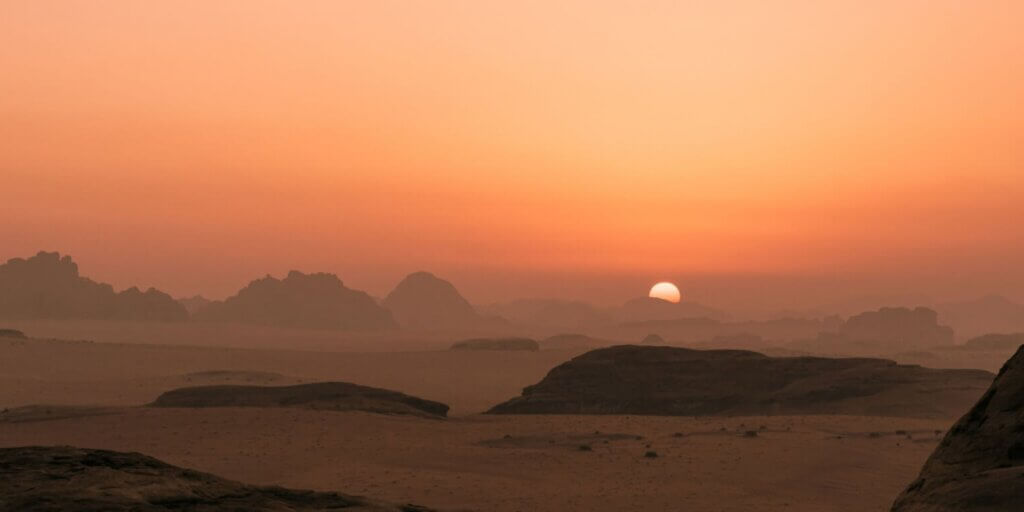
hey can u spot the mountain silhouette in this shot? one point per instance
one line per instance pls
(425, 301)
(901, 328)
(49, 286)
(300, 300)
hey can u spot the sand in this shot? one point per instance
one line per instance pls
(807, 463)
(468, 462)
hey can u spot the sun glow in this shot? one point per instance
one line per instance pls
(665, 291)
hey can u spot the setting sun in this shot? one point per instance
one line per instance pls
(665, 291)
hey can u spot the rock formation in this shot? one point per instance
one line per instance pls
(49, 286)
(12, 333)
(898, 327)
(424, 301)
(335, 396)
(979, 465)
(654, 380)
(497, 344)
(995, 342)
(318, 301)
(45, 479)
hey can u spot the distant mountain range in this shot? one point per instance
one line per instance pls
(300, 300)
(48, 286)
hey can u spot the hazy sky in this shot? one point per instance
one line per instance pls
(575, 148)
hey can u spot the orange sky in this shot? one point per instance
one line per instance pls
(519, 148)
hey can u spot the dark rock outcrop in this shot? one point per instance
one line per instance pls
(319, 301)
(497, 344)
(655, 380)
(979, 465)
(46, 479)
(424, 301)
(334, 396)
(995, 342)
(12, 333)
(49, 286)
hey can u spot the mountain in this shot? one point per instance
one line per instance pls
(1005, 342)
(551, 313)
(979, 465)
(38, 479)
(319, 301)
(991, 314)
(424, 301)
(893, 329)
(646, 309)
(49, 286)
(194, 304)
(670, 381)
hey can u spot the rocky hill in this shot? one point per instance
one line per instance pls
(334, 396)
(660, 380)
(46, 479)
(979, 465)
(49, 286)
(319, 301)
(424, 301)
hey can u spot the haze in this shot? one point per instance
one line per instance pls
(751, 152)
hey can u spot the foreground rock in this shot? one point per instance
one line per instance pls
(979, 465)
(497, 344)
(37, 479)
(655, 380)
(335, 396)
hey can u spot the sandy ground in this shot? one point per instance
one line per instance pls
(523, 463)
(468, 462)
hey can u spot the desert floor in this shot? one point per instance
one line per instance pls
(468, 462)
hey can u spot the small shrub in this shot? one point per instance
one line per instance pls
(750, 433)
(585, 448)
(651, 454)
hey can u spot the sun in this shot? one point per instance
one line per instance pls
(665, 291)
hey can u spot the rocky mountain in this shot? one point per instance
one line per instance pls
(45, 479)
(424, 301)
(1006, 342)
(979, 465)
(333, 396)
(194, 304)
(892, 329)
(49, 286)
(318, 301)
(659, 380)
